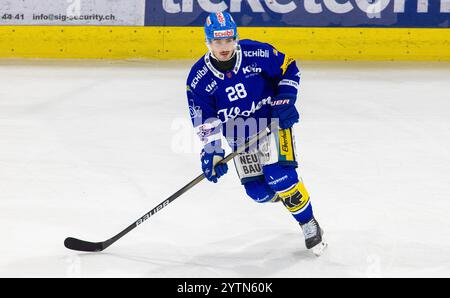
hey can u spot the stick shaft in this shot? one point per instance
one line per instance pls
(77, 244)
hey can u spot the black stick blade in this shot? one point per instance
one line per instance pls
(77, 244)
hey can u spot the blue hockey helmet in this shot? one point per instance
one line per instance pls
(220, 25)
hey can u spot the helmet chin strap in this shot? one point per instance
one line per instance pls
(208, 44)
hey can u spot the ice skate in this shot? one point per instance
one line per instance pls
(313, 237)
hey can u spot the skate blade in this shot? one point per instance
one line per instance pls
(319, 248)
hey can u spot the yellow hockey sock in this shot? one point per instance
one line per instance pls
(295, 198)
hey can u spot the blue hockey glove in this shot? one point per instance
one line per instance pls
(210, 168)
(283, 108)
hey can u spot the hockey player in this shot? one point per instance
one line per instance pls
(235, 90)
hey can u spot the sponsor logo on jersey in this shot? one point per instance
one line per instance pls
(250, 164)
(287, 82)
(211, 87)
(207, 131)
(224, 33)
(287, 61)
(194, 111)
(251, 69)
(258, 53)
(233, 112)
(204, 131)
(276, 181)
(200, 74)
(252, 169)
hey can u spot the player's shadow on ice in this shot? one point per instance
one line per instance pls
(257, 253)
(254, 254)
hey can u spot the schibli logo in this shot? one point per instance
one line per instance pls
(258, 53)
(211, 86)
(280, 102)
(224, 33)
(251, 68)
(153, 211)
(200, 74)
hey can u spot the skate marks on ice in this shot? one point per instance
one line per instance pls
(259, 253)
(372, 253)
(255, 253)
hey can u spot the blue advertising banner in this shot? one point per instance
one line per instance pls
(304, 13)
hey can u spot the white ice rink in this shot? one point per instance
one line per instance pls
(86, 148)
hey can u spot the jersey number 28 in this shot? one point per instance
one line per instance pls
(236, 92)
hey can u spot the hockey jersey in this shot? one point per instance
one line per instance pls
(242, 96)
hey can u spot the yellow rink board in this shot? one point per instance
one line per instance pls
(105, 42)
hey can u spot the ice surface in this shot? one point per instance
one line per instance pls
(86, 148)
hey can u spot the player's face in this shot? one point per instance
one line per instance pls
(223, 49)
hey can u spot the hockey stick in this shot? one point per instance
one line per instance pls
(81, 245)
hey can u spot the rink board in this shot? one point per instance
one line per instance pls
(113, 42)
